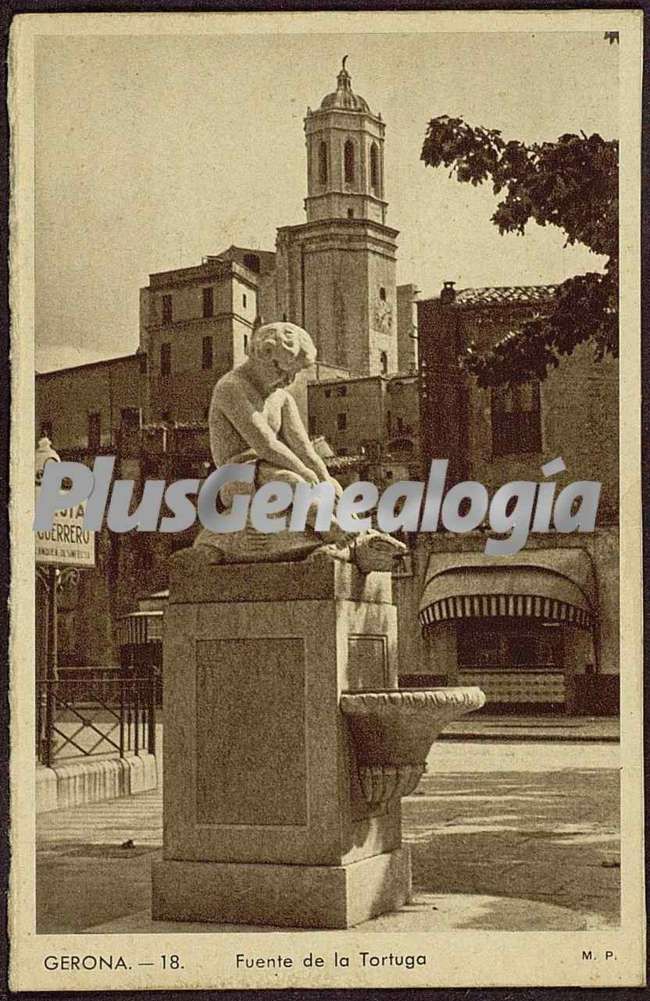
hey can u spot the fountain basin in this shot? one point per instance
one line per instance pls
(392, 731)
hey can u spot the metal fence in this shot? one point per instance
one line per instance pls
(95, 712)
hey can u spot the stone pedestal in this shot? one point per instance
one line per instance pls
(264, 818)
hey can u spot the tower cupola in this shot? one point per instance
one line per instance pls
(345, 157)
(343, 97)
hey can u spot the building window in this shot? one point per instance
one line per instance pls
(350, 213)
(516, 419)
(341, 390)
(404, 445)
(94, 431)
(208, 303)
(245, 342)
(328, 393)
(382, 293)
(130, 417)
(252, 262)
(322, 163)
(341, 421)
(167, 309)
(165, 359)
(130, 421)
(284, 317)
(383, 361)
(244, 300)
(142, 361)
(503, 644)
(374, 166)
(348, 161)
(206, 354)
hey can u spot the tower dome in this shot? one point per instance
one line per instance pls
(344, 97)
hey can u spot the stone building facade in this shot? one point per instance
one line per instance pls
(194, 324)
(86, 406)
(539, 628)
(375, 418)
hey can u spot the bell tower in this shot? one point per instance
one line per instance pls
(345, 157)
(335, 273)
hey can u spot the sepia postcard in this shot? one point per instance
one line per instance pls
(325, 521)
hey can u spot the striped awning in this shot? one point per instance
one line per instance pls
(548, 585)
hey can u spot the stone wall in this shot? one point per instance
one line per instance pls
(578, 406)
(329, 277)
(65, 398)
(407, 328)
(579, 414)
(360, 401)
(184, 394)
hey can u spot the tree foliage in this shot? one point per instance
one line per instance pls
(571, 184)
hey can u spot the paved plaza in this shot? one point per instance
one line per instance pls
(507, 836)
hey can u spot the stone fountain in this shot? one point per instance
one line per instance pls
(288, 745)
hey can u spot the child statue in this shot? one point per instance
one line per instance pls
(253, 419)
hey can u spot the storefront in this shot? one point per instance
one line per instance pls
(520, 627)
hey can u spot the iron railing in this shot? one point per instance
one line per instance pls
(111, 715)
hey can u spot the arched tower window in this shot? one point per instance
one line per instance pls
(374, 167)
(322, 163)
(383, 362)
(348, 161)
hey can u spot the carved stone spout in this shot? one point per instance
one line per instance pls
(393, 730)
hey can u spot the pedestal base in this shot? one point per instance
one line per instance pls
(298, 896)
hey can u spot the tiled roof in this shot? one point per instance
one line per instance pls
(88, 364)
(504, 295)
